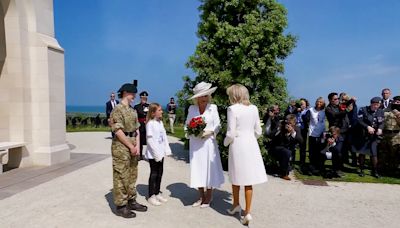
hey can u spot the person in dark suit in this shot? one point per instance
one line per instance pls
(110, 105)
(284, 143)
(386, 101)
(142, 108)
(368, 133)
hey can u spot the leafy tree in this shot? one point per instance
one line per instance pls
(241, 41)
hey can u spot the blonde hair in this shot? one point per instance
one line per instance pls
(152, 110)
(238, 94)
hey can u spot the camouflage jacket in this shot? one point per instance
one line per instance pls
(392, 124)
(125, 118)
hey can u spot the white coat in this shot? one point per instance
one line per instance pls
(205, 162)
(245, 163)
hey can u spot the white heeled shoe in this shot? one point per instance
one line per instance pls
(205, 205)
(245, 220)
(234, 210)
(197, 203)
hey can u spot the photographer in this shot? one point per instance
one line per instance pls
(293, 108)
(367, 134)
(332, 143)
(345, 102)
(338, 116)
(271, 121)
(284, 142)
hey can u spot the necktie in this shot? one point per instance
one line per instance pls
(386, 103)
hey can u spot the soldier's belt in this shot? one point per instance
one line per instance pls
(391, 131)
(130, 134)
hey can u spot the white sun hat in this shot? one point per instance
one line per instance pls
(202, 89)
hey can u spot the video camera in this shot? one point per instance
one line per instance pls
(346, 103)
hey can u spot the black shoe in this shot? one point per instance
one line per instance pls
(361, 173)
(375, 174)
(133, 205)
(124, 211)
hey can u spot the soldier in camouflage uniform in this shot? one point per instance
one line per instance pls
(125, 151)
(390, 145)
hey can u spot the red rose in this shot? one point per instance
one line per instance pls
(193, 125)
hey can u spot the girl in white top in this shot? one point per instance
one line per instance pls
(157, 149)
(245, 163)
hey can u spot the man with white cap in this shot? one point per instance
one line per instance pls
(205, 162)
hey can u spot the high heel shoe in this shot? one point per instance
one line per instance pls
(234, 210)
(245, 220)
(205, 205)
(197, 203)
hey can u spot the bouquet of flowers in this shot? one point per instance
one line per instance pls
(196, 126)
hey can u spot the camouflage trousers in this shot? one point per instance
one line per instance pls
(125, 173)
(389, 155)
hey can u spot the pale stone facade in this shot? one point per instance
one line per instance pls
(32, 84)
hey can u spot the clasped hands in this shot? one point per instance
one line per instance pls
(206, 134)
(371, 131)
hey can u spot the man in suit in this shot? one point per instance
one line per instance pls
(386, 101)
(142, 108)
(110, 105)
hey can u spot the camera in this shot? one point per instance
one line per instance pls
(346, 103)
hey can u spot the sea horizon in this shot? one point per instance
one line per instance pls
(101, 109)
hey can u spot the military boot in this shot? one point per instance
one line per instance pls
(133, 205)
(124, 211)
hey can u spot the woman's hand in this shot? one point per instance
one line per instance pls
(207, 134)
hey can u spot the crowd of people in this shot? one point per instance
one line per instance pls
(372, 130)
(351, 134)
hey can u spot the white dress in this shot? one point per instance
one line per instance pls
(205, 162)
(245, 163)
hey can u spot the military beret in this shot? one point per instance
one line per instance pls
(128, 87)
(396, 98)
(144, 94)
(376, 100)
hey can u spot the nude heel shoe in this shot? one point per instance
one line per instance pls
(234, 210)
(245, 220)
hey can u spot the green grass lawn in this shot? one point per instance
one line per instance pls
(179, 133)
(350, 172)
(86, 128)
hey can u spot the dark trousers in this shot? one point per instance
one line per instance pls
(156, 172)
(282, 155)
(314, 150)
(336, 157)
(303, 147)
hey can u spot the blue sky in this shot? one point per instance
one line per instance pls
(343, 45)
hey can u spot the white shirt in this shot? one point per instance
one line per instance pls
(157, 141)
(317, 122)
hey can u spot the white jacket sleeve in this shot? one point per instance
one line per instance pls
(167, 147)
(216, 120)
(257, 126)
(231, 129)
